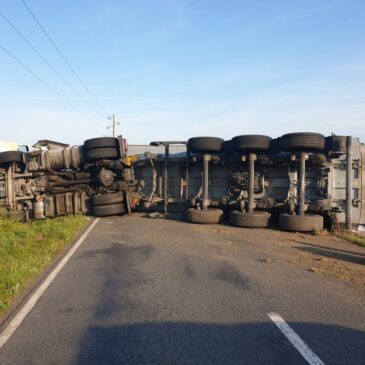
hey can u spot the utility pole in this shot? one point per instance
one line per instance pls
(114, 123)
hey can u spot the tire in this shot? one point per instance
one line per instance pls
(101, 142)
(107, 210)
(302, 141)
(251, 142)
(209, 216)
(107, 199)
(301, 223)
(10, 156)
(205, 144)
(249, 220)
(101, 153)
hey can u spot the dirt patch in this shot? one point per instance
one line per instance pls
(322, 254)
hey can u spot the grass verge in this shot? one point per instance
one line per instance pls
(353, 237)
(26, 249)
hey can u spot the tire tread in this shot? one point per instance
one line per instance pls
(210, 216)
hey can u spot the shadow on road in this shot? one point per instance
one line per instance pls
(353, 253)
(199, 343)
(348, 256)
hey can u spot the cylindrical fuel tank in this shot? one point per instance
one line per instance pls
(62, 158)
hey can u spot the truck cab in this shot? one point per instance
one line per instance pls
(13, 146)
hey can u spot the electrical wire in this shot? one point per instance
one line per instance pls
(44, 82)
(44, 59)
(64, 58)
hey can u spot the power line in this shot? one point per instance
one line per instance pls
(44, 59)
(44, 82)
(64, 58)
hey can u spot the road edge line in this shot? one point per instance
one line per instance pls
(295, 340)
(32, 301)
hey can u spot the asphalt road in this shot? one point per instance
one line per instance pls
(152, 291)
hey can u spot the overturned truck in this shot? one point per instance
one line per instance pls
(299, 181)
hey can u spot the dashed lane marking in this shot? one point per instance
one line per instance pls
(295, 340)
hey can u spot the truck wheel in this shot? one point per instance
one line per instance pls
(249, 220)
(205, 144)
(251, 142)
(101, 153)
(10, 156)
(302, 141)
(209, 216)
(101, 142)
(301, 223)
(106, 210)
(107, 199)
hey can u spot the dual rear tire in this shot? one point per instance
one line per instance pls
(200, 216)
(249, 220)
(108, 204)
(205, 145)
(303, 141)
(101, 148)
(250, 143)
(301, 223)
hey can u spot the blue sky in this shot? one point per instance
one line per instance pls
(174, 69)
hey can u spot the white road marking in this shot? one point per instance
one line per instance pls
(295, 340)
(28, 306)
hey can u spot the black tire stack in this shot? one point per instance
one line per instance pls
(101, 148)
(108, 204)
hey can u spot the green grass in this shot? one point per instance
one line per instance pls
(353, 237)
(27, 248)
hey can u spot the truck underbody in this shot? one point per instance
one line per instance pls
(332, 184)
